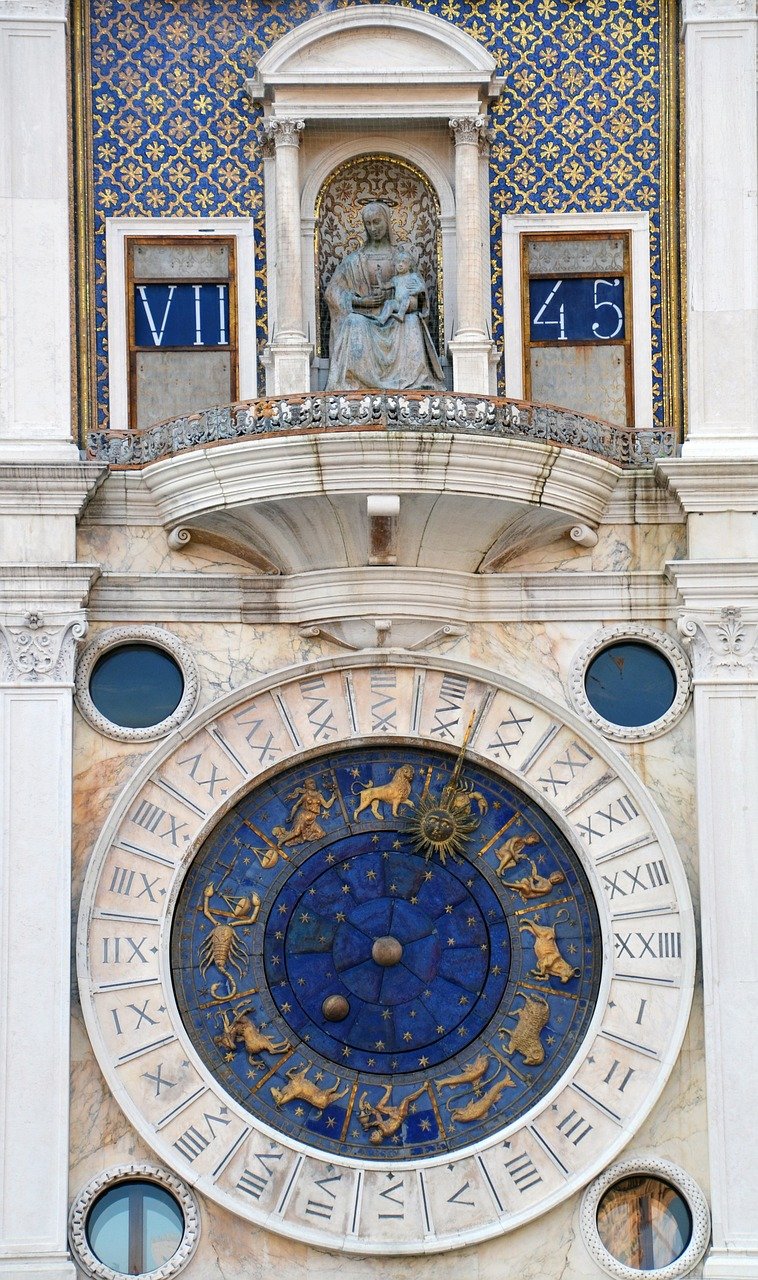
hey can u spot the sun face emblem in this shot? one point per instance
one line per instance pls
(442, 825)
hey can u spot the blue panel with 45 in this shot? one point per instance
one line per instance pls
(386, 949)
(577, 309)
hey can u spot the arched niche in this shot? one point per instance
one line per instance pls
(374, 79)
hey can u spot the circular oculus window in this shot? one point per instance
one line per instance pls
(645, 1218)
(135, 1220)
(631, 682)
(136, 683)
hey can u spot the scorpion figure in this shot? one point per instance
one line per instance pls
(222, 948)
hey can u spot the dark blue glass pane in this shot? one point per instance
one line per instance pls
(630, 684)
(577, 310)
(181, 315)
(136, 685)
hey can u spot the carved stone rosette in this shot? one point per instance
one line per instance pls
(39, 649)
(724, 646)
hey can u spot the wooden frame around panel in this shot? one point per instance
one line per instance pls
(132, 350)
(526, 328)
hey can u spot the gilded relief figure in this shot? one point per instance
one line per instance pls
(471, 1074)
(382, 1119)
(533, 1017)
(298, 1086)
(240, 1029)
(535, 885)
(378, 308)
(222, 948)
(480, 1106)
(512, 850)
(442, 825)
(308, 807)
(395, 793)
(550, 962)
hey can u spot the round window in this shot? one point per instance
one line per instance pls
(644, 1223)
(630, 683)
(136, 685)
(135, 1227)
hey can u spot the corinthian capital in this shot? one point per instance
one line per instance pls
(283, 132)
(39, 650)
(469, 128)
(724, 646)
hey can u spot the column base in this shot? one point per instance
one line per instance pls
(730, 1264)
(474, 357)
(58, 1268)
(287, 361)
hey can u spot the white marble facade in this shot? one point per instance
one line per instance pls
(677, 551)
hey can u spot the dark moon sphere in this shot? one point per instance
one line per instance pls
(335, 1008)
(387, 951)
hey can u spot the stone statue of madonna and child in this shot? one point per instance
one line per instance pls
(378, 307)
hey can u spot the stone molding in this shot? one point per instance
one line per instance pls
(651, 636)
(33, 10)
(724, 646)
(702, 11)
(48, 489)
(329, 596)
(710, 485)
(705, 586)
(667, 1172)
(111, 1178)
(113, 639)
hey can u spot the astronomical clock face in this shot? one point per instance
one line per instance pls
(386, 954)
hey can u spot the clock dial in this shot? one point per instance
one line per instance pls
(377, 975)
(372, 971)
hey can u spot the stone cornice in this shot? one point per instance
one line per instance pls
(52, 589)
(710, 486)
(711, 585)
(326, 596)
(48, 488)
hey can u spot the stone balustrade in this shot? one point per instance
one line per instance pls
(413, 411)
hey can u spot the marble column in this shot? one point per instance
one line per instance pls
(35, 391)
(722, 228)
(37, 648)
(289, 352)
(471, 347)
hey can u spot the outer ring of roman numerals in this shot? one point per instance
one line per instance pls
(183, 1113)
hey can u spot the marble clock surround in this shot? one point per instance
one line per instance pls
(456, 1237)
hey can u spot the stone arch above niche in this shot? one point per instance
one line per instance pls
(348, 70)
(415, 220)
(354, 49)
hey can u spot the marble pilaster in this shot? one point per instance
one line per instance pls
(289, 352)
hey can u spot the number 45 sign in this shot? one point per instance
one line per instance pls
(576, 309)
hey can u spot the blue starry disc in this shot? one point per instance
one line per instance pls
(368, 975)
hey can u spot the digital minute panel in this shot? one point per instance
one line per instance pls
(385, 956)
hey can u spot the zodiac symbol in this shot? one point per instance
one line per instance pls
(525, 1036)
(382, 1119)
(309, 805)
(535, 885)
(513, 849)
(477, 1108)
(243, 1030)
(550, 962)
(298, 1086)
(471, 1074)
(443, 825)
(222, 948)
(394, 793)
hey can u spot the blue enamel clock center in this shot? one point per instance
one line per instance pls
(386, 951)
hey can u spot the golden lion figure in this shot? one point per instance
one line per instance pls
(395, 792)
(533, 1016)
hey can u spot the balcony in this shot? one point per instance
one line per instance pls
(306, 482)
